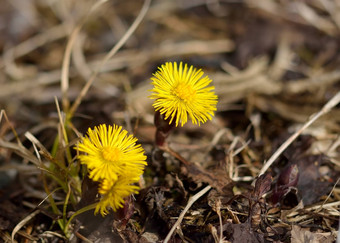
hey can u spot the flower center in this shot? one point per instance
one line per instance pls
(111, 154)
(185, 92)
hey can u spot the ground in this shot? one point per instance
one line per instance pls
(70, 65)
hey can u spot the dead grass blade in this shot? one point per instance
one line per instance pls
(326, 108)
(35, 141)
(324, 202)
(313, 83)
(21, 151)
(108, 56)
(3, 114)
(191, 201)
(51, 233)
(27, 46)
(23, 222)
(67, 56)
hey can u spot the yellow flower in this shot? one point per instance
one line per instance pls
(180, 92)
(111, 152)
(114, 192)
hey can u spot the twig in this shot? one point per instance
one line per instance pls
(326, 108)
(191, 201)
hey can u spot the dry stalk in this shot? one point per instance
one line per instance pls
(23, 222)
(67, 56)
(113, 51)
(191, 201)
(125, 59)
(326, 108)
(54, 33)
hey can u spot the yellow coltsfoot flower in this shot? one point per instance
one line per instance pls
(111, 152)
(180, 92)
(114, 192)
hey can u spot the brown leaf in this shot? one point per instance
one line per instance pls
(242, 233)
(217, 178)
(262, 185)
(300, 235)
(288, 178)
(310, 186)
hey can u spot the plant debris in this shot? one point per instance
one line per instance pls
(266, 168)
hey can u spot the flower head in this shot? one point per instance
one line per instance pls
(111, 152)
(114, 192)
(180, 92)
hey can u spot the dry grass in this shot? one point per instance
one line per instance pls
(274, 64)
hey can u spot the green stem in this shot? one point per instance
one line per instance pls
(52, 202)
(80, 211)
(66, 202)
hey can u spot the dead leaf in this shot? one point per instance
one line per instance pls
(310, 186)
(262, 185)
(288, 178)
(243, 233)
(300, 235)
(218, 178)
